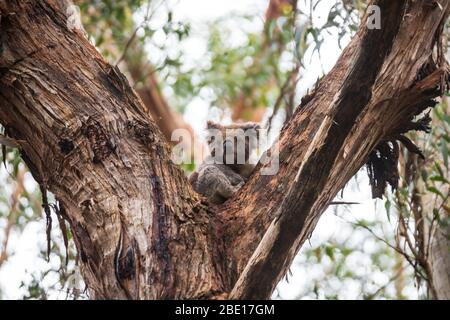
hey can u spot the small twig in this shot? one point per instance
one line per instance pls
(396, 249)
(48, 217)
(335, 203)
(406, 236)
(133, 36)
(283, 92)
(130, 40)
(9, 142)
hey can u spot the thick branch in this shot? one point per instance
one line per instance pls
(358, 104)
(85, 136)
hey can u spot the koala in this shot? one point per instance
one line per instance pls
(227, 167)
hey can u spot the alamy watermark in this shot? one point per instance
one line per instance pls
(373, 17)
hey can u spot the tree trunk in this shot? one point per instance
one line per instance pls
(140, 230)
(333, 140)
(431, 233)
(425, 243)
(440, 262)
(432, 238)
(89, 141)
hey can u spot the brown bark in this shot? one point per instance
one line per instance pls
(140, 230)
(336, 128)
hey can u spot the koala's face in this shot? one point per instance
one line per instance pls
(232, 144)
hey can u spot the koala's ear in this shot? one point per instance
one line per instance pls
(212, 125)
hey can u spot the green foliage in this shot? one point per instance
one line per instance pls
(347, 269)
(232, 71)
(435, 172)
(107, 20)
(250, 72)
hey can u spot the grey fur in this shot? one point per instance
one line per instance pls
(219, 182)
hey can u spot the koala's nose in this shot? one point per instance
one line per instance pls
(228, 146)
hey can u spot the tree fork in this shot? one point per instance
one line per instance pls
(140, 230)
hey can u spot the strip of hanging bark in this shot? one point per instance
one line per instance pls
(59, 210)
(382, 168)
(48, 219)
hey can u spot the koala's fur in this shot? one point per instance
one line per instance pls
(218, 182)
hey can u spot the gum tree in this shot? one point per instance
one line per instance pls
(140, 230)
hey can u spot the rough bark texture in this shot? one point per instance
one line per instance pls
(431, 235)
(335, 129)
(140, 230)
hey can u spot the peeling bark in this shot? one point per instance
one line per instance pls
(336, 129)
(140, 230)
(430, 236)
